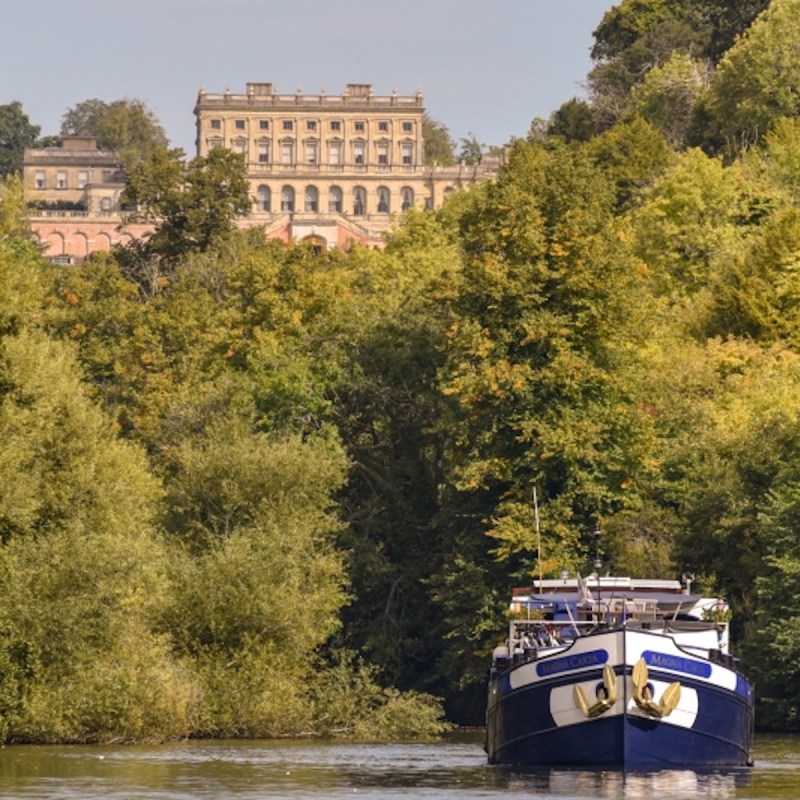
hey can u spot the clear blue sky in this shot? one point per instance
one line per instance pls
(486, 67)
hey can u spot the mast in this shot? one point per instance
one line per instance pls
(538, 537)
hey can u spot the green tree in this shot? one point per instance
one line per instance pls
(696, 212)
(669, 94)
(755, 82)
(23, 279)
(471, 151)
(633, 37)
(16, 133)
(637, 36)
(733, 411)
(438, 144)
(192, 206)
(633, 154)
(726, 21)
(14, 222)
(536, 381)
(82, 572)
(127, 126)
(773, 650)
(574, 121)
(777, 161)
(386, 401)
(755, 293)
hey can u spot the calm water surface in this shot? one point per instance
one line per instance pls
(452, 769)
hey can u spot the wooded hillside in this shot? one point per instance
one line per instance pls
(249, 489)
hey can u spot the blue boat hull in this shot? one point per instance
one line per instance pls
(534, 719)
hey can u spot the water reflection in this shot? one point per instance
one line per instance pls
(455, 768)
(664, 785)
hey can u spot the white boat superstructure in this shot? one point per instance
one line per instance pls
(641, 669)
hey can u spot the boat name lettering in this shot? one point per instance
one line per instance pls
(677, 664)
(567, 663)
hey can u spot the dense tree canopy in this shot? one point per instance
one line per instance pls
(755, 82)
(272, 491)
(16, 133)
(439, 145)
(680, 41)
(127, 126)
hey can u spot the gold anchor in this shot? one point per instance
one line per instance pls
(644, 698)
(606, 695)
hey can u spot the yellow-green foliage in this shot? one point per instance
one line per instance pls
(348, 701)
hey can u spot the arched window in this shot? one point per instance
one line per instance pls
(335, 200)
(311, 199)
(287, 199)
(408, 198)
(264, 198)
(383, 200)
(359, 201)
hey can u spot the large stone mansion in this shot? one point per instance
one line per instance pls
(332, 169)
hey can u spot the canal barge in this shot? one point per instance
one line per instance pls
(618, 672)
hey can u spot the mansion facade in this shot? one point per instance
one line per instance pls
(331, 169)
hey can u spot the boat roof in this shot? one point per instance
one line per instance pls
(666, 593)
(662, 599)
(604, 583)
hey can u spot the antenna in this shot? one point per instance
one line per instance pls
(538, 535)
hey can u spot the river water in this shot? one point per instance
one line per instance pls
(452, 769)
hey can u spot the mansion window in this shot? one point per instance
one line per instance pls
(358, 153)
(287, 199)
(263, 153)
(263, 124)
(239, 146)
(41, 181)
(311, 125)
(383, 126)
(288, 125)
(216, 124)
(311, 153)
(359, 201)
(83, 179)
(408, 127)
(336, 125)
(335, 154)
(264, 196)
(311, 199)
(408, 198)
(61, 180)
(239, 124)
(407, 154)
(359, 126)
(383, 154)
(383, 200)
(335, 199)
(105, 205)
(287, 153)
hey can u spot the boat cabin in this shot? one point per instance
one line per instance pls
(549, 616)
